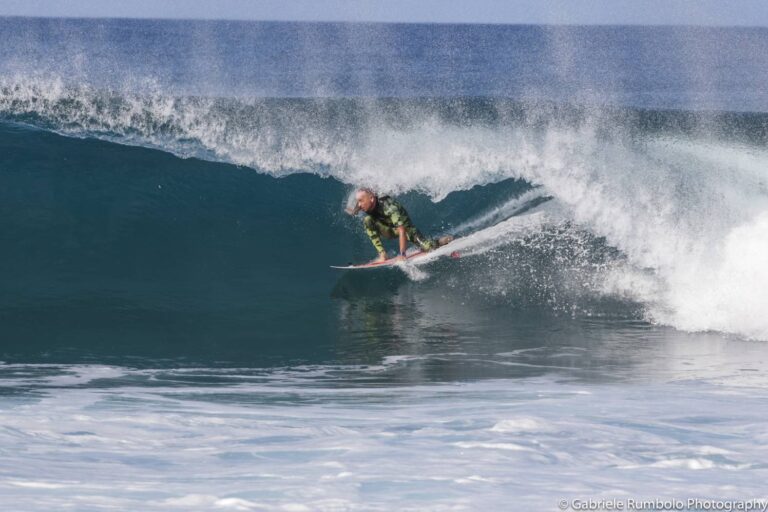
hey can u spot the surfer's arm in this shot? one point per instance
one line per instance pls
(399, 218)
(373, 234)
(403, 240)
(376, 241)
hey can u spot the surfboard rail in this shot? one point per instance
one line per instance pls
(394, 262)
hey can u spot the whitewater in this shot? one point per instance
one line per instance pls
(172, 196)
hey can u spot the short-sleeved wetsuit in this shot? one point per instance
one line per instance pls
(384, 220)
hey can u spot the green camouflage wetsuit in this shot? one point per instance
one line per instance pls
(384, 220)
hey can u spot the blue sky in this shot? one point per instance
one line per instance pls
(643, 12)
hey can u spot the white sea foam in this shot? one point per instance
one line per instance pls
(521, 424)
(281, 445)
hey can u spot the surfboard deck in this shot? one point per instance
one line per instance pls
(413, 257)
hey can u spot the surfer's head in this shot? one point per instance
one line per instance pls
(365, 200)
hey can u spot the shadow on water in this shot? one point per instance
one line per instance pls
(368, 284)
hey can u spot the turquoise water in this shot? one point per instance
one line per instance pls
(173, 337)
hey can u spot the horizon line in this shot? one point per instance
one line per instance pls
(379, 22)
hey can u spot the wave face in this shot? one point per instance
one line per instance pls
(577, 207)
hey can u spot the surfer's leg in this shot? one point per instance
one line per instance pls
(415, 236)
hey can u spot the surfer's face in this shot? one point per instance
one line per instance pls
(365, 200)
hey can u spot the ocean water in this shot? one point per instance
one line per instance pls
(171, 199)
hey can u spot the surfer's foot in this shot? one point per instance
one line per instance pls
(444, 240)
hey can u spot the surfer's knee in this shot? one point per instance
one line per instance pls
(426, 244)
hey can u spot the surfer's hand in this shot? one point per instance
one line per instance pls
(400, 257)
(382, 257)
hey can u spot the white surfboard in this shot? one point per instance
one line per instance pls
(416, 257)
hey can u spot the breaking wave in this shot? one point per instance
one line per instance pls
(679, 198)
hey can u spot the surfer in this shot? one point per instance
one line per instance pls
(386, 217)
